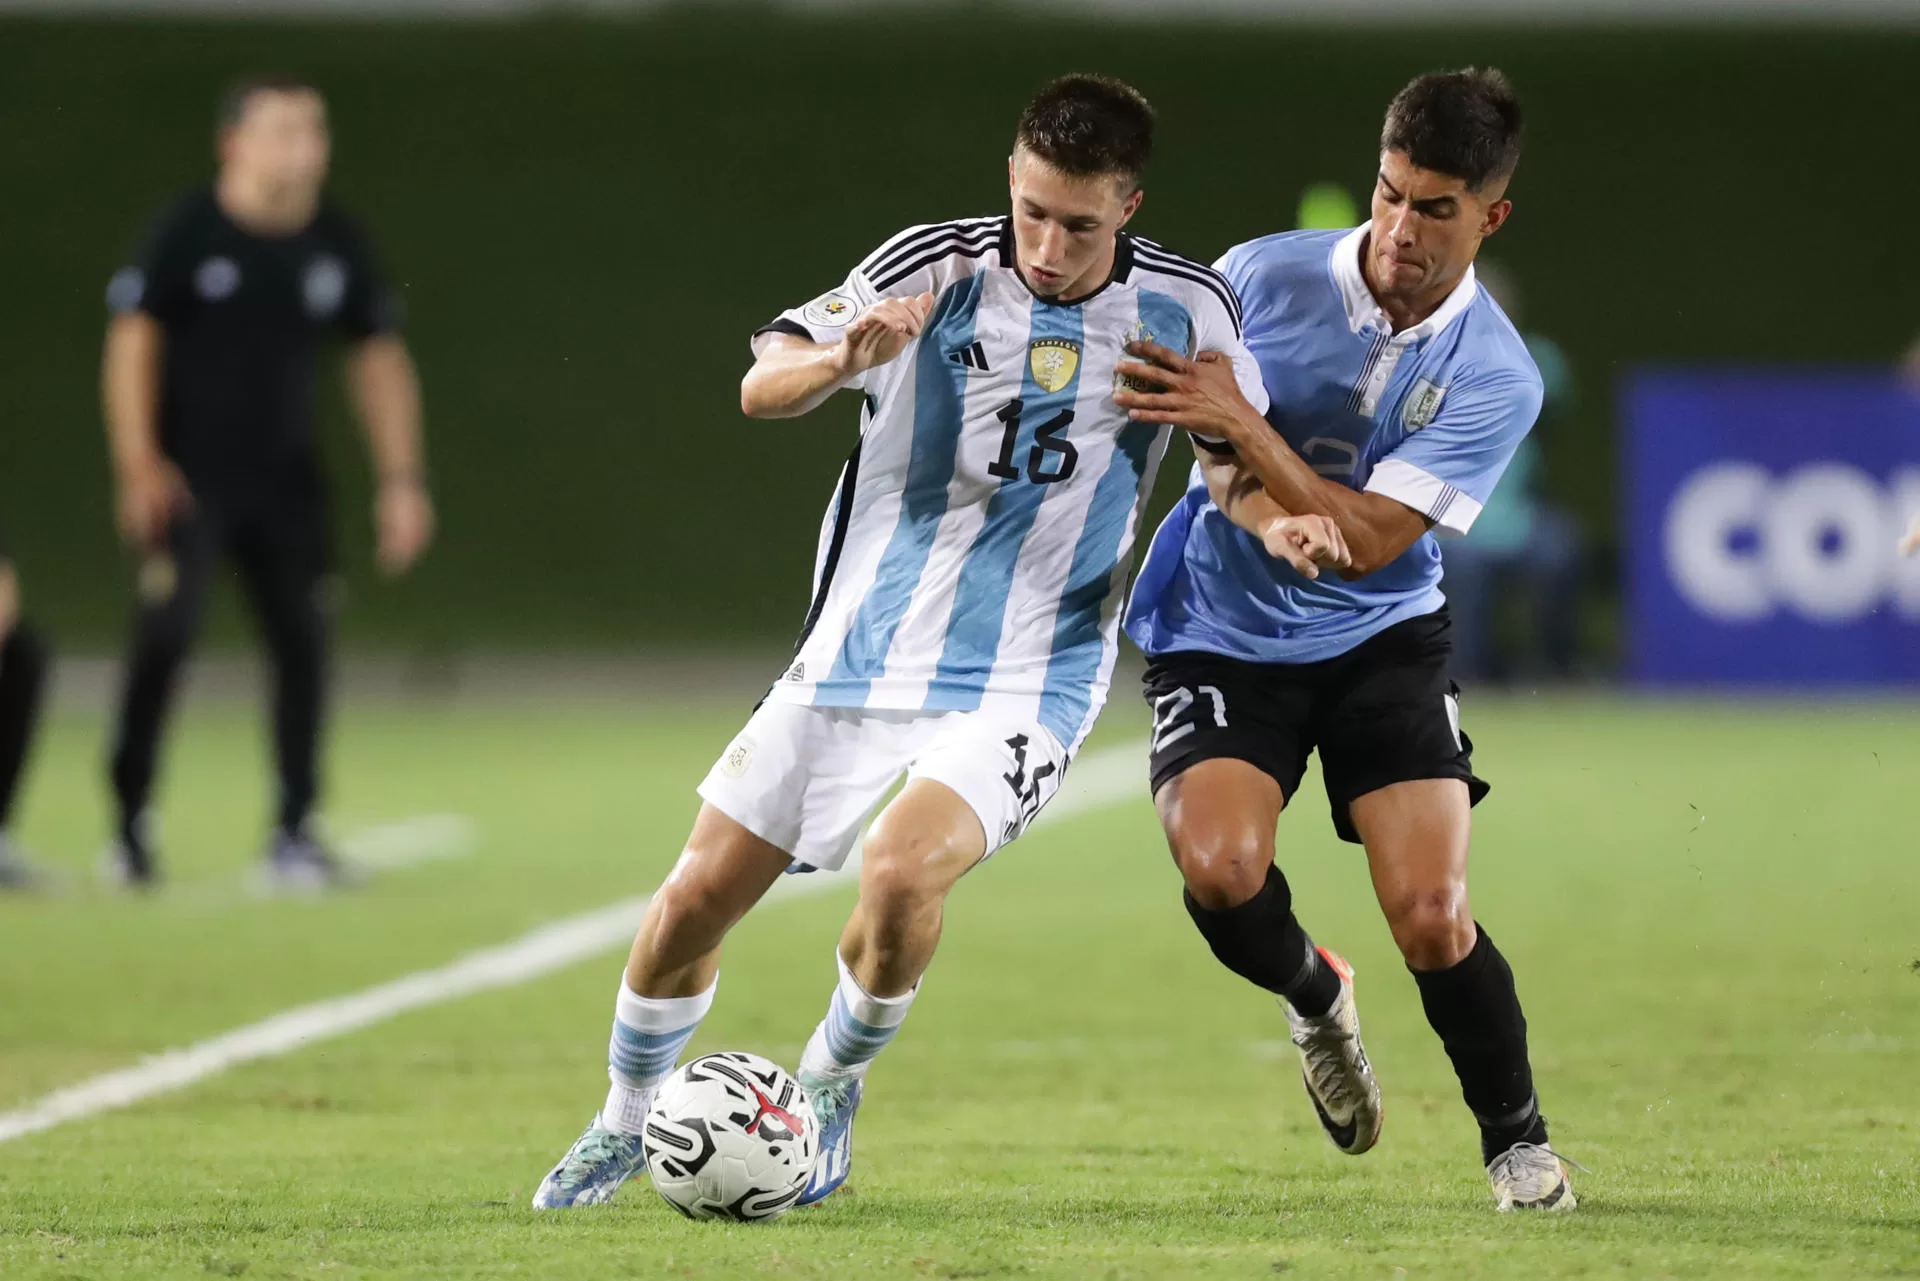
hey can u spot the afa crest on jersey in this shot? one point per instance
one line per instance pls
(1053, 361)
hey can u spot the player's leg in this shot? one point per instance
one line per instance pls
(23, 670)
(975, 784)
(1400, 778)
(793, 784)
(1229, 744)
(671, 977)
(171, 594)
(282, 558)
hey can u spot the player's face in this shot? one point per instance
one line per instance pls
(1064, 227)
(1427, 227)
(281, 141)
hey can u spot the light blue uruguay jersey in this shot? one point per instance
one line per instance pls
(975, 555)
(1428, 417)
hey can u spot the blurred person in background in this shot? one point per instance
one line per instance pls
(1522, 545)
(23, 671)
(208, 383)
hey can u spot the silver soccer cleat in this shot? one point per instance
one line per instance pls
(1334, 1066)
(1530, 1176)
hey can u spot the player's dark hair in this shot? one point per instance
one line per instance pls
(1087, 126)
(241, 93)
(1462, 123)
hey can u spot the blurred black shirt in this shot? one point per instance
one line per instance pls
(244, 317)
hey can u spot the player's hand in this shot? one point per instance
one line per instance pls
(9, 598)
(1199, 395)
(1308, 543)
(1910, 541)
(402, 525)
(152, 494)
(883, 331)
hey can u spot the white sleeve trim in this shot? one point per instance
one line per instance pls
(1426, 493)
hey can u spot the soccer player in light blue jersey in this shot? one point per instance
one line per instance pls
(1292, 602)
(966, 603)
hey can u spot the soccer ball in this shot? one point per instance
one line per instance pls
(730, 1136)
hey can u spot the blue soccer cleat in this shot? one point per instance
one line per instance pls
(592, 1170)
(833, 1109)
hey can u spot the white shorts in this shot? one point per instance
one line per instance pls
(806, 778)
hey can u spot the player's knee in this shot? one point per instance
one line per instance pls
(1433, 928)
(1223, 866)
(896, 882)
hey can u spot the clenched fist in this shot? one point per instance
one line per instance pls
(1307, 543)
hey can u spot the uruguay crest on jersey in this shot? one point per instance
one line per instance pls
(977, 548)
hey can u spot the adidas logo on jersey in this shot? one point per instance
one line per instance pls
(798, 672)
(972, 356)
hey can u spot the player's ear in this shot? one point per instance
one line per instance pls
(1496, 216)
(1009, 175)
(1131, 205)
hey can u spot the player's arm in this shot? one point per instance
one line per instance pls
(792, 374)
(1202, 396)
(385, 389)
(1304, 542)
(149, 489)
(9, 597)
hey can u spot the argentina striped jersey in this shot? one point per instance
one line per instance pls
(976, 551)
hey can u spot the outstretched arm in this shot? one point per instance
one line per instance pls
(792, 375)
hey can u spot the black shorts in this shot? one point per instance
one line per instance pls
(1383, 712)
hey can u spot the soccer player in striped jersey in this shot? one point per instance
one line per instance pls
(1399, 391)
(966, 597)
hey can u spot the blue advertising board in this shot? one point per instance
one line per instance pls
(1763, 512)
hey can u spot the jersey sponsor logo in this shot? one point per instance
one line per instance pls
(829, 311)
(973, 356)
(1053, 362)
(1423, 403)
(216, 279)
(323, 286)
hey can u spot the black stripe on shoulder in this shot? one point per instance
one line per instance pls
(1151, 257)
(909, 242)
(935, 252)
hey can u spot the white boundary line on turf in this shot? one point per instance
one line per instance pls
(1096, 780)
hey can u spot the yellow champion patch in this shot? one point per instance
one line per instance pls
(1053, 362)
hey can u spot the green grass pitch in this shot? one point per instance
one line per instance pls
(1713, 910)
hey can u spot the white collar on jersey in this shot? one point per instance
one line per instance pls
(1362, 309)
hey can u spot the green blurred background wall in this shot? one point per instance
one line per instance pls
(589, 218)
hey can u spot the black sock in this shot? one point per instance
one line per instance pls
(1262, 942)
(1476, 1011)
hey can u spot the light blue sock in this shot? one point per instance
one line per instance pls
(857, 1027)
(648, 1035)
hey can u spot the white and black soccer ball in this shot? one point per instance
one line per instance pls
(730, 1136)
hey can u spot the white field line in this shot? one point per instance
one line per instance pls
(1096, 780)
(402, 843)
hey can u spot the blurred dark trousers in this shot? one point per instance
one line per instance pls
(24, 658)
(1545, 572)
(281, 556)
